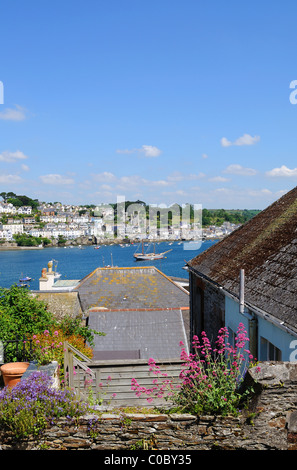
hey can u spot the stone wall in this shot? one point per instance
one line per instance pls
(270, 423)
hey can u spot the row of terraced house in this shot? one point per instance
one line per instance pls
(72, 222)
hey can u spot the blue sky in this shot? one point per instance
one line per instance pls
(166, 101)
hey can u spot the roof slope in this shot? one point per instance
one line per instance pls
(126, 288)
(266, 248)
(138, 333)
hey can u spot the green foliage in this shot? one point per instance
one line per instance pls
(61, 240)
(73, 327)
(23, 315)
(23, 239)
(219, 216)
(19, 200)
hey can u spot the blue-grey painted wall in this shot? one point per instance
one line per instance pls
(283, 340)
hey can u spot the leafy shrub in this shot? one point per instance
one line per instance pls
(21, 313)
(32, 405)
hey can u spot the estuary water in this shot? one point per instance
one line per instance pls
(76, 262)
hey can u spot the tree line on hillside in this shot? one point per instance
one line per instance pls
(219, 216)
(209, 216)
(19, 200)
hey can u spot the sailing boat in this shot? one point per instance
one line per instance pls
(149, 256)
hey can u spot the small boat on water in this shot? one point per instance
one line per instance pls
(149, 256)
(25, 279)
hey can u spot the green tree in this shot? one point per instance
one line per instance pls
(23, 315)
(61, 240)
(23, 239)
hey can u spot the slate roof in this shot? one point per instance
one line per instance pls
(130, 288)
(266, 248)
(138, 334)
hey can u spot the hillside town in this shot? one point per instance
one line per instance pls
(58, 223)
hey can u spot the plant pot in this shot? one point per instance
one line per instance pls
(12, 372)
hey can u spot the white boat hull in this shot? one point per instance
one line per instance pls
(148, 257)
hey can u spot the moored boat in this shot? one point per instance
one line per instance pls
(149, 256)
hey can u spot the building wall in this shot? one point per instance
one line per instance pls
(211, 309)
(61, 304)
(265, 329)
(207, 304)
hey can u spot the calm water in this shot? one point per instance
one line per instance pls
(75, 263)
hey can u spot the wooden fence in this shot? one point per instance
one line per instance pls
(109, 382)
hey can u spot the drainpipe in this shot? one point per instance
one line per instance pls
(241, 292)
(252, 321)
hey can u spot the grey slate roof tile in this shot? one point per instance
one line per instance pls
(154, 333)
(140, 310)
(145, 287)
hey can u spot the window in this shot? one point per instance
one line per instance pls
(269, 352)
(231, 338)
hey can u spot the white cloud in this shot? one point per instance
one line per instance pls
(259, 193)
(25, 167)
(12, 156)
(133, 180)
(148, 150)
(178, 176)
(225, 142)
(283, 171)
(104, 177)
(126, 151)
(246, 139)
(237, 194)
(125, 183)
(158, 183)
(236, 169)
(218, 179)
(204, 156)
(10, 114)
(224, 190)
(56, 179)
(10, 179)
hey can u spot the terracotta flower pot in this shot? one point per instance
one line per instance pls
(12, 372)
